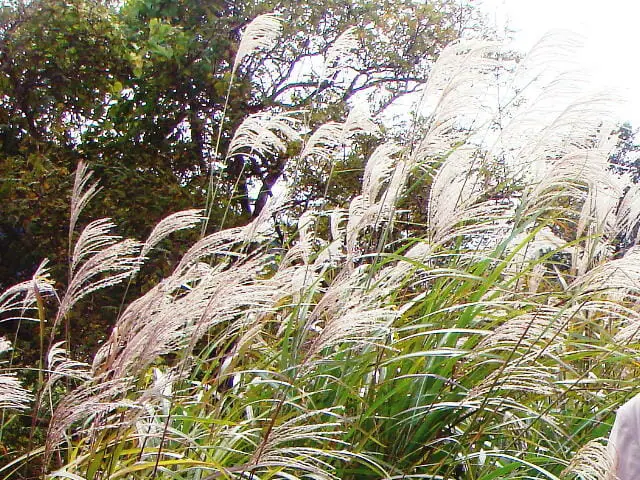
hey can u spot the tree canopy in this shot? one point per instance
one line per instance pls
(138, 89)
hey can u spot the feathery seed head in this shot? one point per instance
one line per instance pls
(594, 461)
(341, 48)
(265, 134)
(12, 395)
(260, 34)
(170, 224)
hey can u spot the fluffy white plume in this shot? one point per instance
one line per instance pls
(81, 195)
(91, 400)
(304, 247)
(341, 48)
(99, 261)
(545, 328)
(324, 141)
(60, 366)
(379, 168)
(20, 301)
(594, 461)
(455, 96)
(300, 444)
(331, 138)
(260, 34)
(12, 395)
(95, 237)
(615, 278)
(375, 206)
(526, 374)
(168, 225)
(265, 134)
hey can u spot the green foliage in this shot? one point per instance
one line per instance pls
(494, 341)
(138, 90)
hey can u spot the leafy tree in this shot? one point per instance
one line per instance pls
(625, 158)
(140, 89)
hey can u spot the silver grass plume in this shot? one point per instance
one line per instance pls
(337, 217)
(223, 242)
(355, 327)
(342, 47)
(132, 319)
(628, 214)
(629, 320)
(389, 277)
(538, 273)
(324, 141)
(95, 237)
(261, 228)
(161, 322)
(60, 366)
(155, 324)
(526, 374)
(605, 311)
(454, 96)
(574, 129)
(379, 168)
(66, 474)
(594, 461)
(333, 251)
(544, 328)
(291, 445)
(597, 225)
(265, 134)
(359, 122)
(151, 420)
(545, 113)
(217, 243)
(143, 312)
(183, 308)
(17, 302)
(327, 140)
(565, 178)
(12, 395)
(81, 195)
(525, 250)
(260, 34)
(304, 247)
(613, 279)
(248, 297)
(459, 97)
(610, 212)
(375, 206)
(90, 400)
(457, 204)
(99, 260)
(347, 315)
(173, 223)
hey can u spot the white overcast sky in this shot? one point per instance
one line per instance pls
(611, 32)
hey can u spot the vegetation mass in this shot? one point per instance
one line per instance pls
(463, 305)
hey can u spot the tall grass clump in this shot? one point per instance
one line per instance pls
(494, 339)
